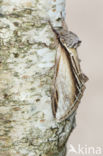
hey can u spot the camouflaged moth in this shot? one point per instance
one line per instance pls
(69, 81)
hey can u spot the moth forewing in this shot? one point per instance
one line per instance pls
(76, 62)
(68, 86)
(65, 85)
(69, 79)
(74, 58)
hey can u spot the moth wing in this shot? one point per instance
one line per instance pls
(69, 86)
(65, 89)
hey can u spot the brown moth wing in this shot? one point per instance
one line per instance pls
(65, 89)
(76, 64)
(69, 80)
(72, 52)
(75, 59)
(68, 84)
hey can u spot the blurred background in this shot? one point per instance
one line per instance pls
(85, 18)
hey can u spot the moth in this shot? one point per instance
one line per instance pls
(69, 81)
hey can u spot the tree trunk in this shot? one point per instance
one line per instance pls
(31, 122)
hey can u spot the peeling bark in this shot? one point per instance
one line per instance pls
(30, 55)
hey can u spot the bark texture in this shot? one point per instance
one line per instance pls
(28, 51)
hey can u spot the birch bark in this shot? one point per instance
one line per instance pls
(28, 49)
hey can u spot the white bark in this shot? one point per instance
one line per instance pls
(28, 49)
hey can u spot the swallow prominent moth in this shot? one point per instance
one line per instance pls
(69, 81)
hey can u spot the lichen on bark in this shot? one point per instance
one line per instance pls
(28, 49)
